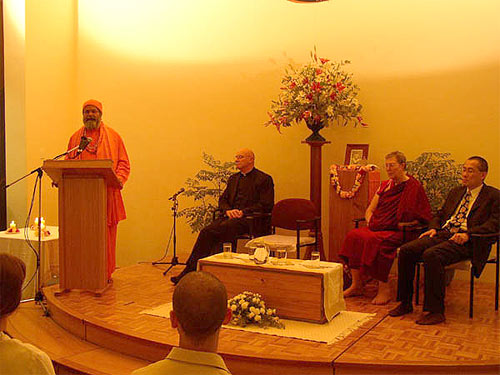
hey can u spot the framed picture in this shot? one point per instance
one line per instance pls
(356, 153)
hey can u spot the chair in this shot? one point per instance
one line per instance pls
(292, 214)
(259, 225)
(466, 265)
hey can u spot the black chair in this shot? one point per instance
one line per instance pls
(466, 265)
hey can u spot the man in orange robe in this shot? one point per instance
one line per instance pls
(105, 144)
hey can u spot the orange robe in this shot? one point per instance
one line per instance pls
(109, 146)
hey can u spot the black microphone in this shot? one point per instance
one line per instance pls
(84, 142)
(173, 197)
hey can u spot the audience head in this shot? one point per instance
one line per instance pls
(12, 274)
(395, 164)
(199, 307)
(245, 160)
(92, 113)
(474, 172)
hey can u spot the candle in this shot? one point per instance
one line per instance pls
(13, 225)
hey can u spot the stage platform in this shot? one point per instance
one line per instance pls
(108, 335)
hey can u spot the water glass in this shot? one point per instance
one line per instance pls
(227, 250)
(281, 256)
(315, 258)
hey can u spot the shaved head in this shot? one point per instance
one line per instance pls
(200, 304)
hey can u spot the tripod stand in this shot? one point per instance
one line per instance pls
(175, 261)
(38, 183)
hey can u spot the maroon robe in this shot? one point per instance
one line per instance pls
(372, 249)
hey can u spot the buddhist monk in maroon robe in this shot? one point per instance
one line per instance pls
(105, 144)
(370, 251)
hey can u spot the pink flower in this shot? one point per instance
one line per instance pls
(309, 96)
(340, 86)
(306, 114)
(293, 85)
(323, 61)
(318, 71)
(333, 96)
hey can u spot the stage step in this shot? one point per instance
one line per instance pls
(69, 354)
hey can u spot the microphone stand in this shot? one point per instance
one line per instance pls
(175, 261)
(38, 286)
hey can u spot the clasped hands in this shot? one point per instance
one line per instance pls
(458, 238)
(234, 214)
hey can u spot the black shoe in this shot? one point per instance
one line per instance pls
(175, 279)
(431, 318)
(401, 309)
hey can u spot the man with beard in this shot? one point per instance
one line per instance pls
(105, 144)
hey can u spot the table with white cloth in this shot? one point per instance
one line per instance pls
(299, 290)
(16, 244)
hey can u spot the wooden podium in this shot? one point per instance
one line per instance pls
(343, 211)
(82, 221)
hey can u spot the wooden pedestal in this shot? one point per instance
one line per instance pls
(343, 211)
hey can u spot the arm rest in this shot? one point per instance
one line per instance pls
(357, 221)
(411, 226)
(485, 235)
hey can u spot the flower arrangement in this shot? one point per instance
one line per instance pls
(320, 93)
(358, 179)
(250, 308)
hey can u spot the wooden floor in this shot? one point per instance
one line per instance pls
(112, 328)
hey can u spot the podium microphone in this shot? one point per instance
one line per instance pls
(173, 197)
(84, 142)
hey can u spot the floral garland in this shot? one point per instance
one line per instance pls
(250, 308)
(358, 180)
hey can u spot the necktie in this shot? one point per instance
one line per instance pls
(456, 222)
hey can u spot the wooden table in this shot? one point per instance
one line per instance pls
(297, 292)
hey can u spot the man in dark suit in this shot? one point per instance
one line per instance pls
(470, 209)
(248, 192)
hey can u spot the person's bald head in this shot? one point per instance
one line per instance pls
(199, 304)
(245, 160)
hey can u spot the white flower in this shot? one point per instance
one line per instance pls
(254, 300)
(244, 305)
(233, 307)
(262, 304)
(251, 315)
(269, 312)
(257, 318)
(241, 302)
(262, 310)
(253, 309)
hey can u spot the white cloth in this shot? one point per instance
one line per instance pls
(343, 324)
(17, 357)
(275, 241)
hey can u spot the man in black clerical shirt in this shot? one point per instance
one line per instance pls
(248, 191)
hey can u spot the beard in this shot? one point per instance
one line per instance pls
(91, 124)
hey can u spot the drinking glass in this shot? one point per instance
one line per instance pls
(227, 250)
(281, 256)
(315, 258)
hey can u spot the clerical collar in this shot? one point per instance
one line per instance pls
(246, 174)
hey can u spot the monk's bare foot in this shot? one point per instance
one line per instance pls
(353, 291)
(383, 295)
